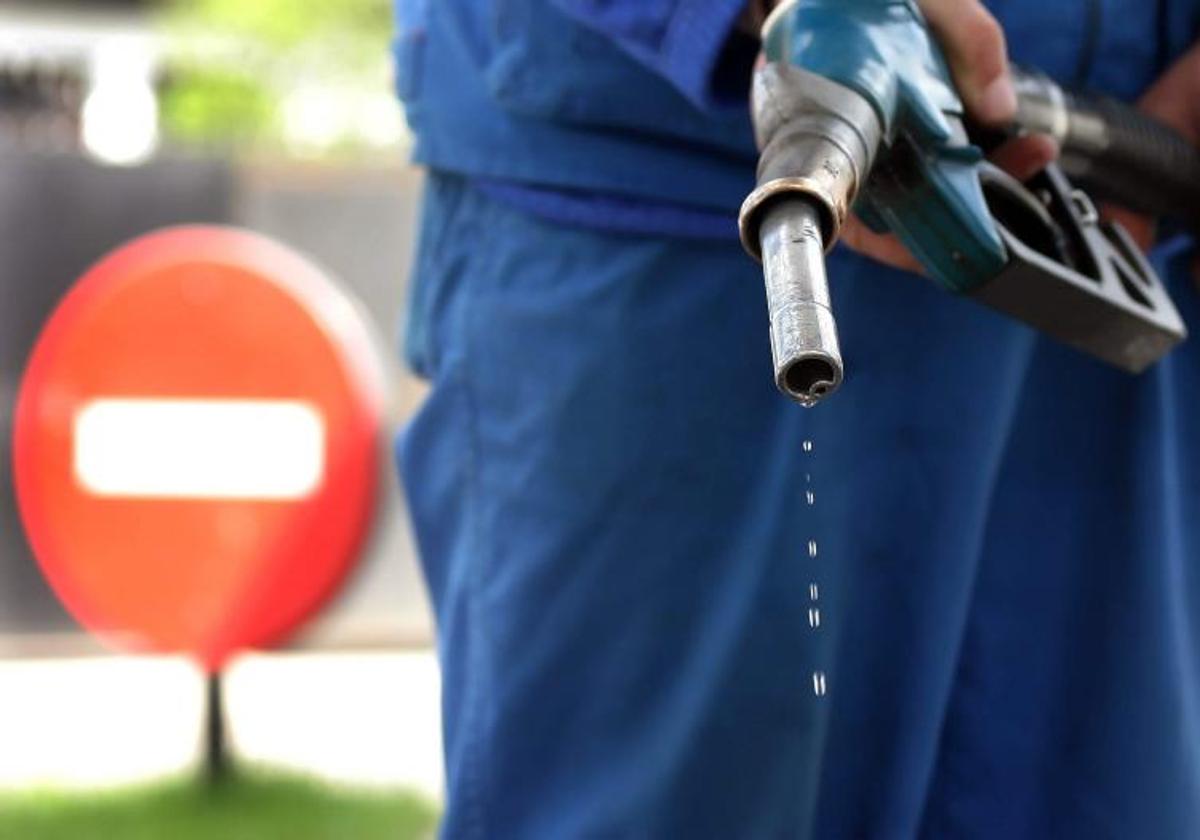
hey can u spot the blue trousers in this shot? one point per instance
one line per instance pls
(959, 599)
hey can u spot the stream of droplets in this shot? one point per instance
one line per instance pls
(814, 590)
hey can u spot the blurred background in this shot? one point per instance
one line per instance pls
(118, 117)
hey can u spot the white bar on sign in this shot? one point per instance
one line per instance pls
(199, 448)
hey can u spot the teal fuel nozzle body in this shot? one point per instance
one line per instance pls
(854, 109)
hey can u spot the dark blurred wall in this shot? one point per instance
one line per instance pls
(58, 215)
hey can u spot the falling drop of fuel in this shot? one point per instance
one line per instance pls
(814, 608)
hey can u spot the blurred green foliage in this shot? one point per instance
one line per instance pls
(212, 106)
(250, 805)
(287, 24)
(231, 64)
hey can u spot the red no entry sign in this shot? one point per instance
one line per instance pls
(196, 446)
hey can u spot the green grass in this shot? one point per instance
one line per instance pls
(249, 805)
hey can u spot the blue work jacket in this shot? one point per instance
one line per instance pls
(644, 99)
(616, 550)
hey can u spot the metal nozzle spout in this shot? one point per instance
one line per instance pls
(804, 343)
(818, 139)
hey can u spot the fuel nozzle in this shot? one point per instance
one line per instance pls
(818, 139)
(853, 101)
(804, 342)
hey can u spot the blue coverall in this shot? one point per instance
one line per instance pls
(612, 502)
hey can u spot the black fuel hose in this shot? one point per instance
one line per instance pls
(1113, 151)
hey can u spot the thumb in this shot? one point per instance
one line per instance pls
(975, 49)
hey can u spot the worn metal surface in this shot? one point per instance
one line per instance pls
(804, 343)
(818, 140)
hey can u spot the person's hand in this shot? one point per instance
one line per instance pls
(975, 49)
(1175, 100)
